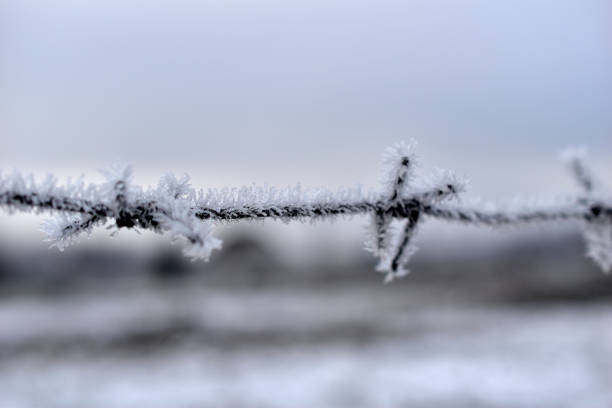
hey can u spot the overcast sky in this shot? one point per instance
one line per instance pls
(311, 91)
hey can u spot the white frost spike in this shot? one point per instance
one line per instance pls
(198, 234)
(176, 188)
(54, 228)
(442, 186)
(393, 264)
(118, 184)
(385, 264)
(64, 231)
(599, 244)
(116, 172)
(178, 219)
(201, 242)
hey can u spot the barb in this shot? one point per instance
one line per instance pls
(177, 208)
(575, 157)
(399, 161)
(597, 234)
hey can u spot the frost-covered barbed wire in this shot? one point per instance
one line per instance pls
(174, 206)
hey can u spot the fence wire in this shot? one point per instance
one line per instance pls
(175, 207)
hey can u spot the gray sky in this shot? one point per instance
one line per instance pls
(271, 91)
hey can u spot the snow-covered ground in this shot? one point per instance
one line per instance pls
(311, 347)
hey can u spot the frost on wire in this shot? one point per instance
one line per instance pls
(396, 212)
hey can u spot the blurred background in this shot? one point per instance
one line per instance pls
(239, 92)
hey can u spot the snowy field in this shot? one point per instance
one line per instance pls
(338, 346)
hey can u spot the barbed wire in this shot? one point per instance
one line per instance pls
(174, 206)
